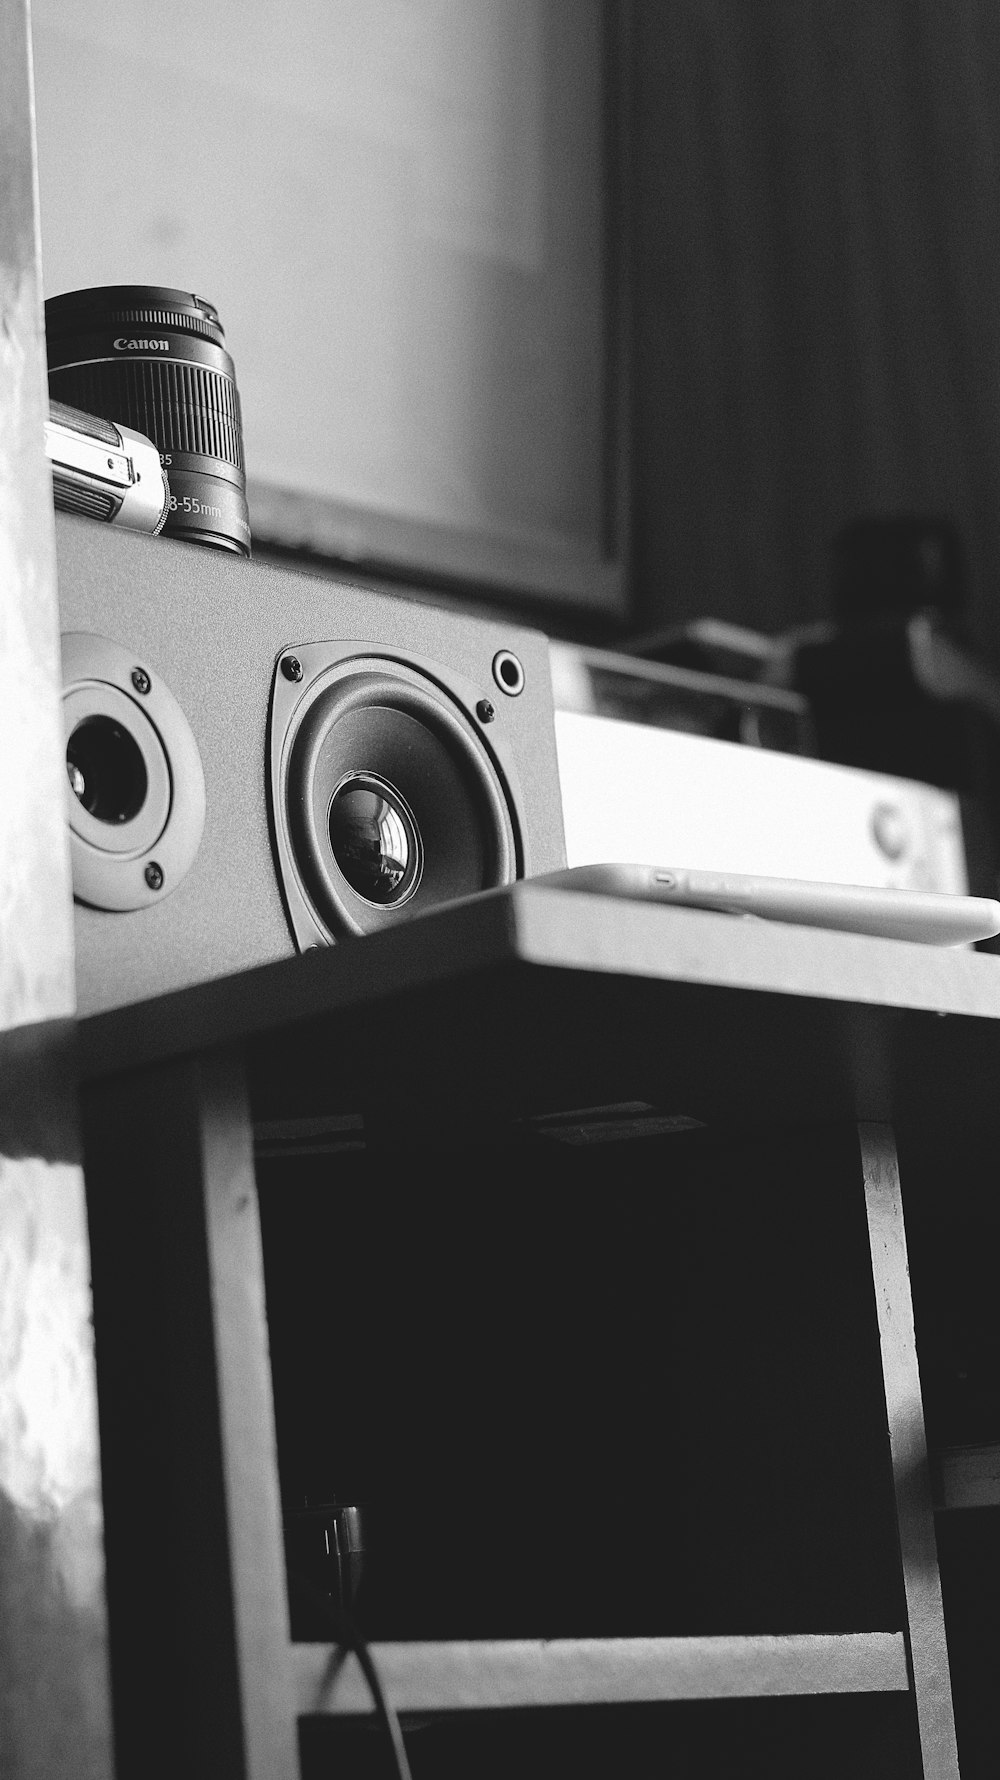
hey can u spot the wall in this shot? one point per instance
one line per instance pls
(397, 207)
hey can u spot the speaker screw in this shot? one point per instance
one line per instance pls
(153, 875)
(291, 667)
(485, 711)
(141, 680)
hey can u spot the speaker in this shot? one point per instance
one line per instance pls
(260, 761)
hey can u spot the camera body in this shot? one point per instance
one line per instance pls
(105, 471)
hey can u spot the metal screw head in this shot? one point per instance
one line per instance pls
(153, 875)
(485, 711)
(141, 680)
(291, 667)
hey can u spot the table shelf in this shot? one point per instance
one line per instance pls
(483, 1025)
(474, 1675)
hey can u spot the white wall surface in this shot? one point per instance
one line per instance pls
(395, 206)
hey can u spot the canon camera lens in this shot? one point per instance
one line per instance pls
(155, 359)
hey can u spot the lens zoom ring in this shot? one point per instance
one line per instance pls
(180, 407)
(194, 408)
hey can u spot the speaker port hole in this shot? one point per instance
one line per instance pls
(508, 672)
(106, 770)
(375, 840)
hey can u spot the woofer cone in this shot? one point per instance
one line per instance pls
(391, 799)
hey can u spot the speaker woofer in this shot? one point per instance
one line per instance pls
(386, 796)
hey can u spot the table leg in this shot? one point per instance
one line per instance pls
(908, 1445)
(201, 1664)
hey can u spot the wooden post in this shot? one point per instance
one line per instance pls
(54, 1704)
(195, 1564)
(908, 1445)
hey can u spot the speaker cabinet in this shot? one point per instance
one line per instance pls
(259, 761)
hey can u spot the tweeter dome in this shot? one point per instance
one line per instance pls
(310, 761)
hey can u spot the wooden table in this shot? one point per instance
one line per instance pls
(529, 1023)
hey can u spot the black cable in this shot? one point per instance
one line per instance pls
(383, 1706)
(349, 1637)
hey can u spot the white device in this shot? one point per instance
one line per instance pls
(923, 916)
(634, 791)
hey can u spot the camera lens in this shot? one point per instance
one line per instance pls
(106, 770)
(155, 359)
(375, 839)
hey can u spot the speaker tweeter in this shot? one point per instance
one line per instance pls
(135, 786)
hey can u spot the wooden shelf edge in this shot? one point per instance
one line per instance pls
(568, 1672)
(535, 927)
